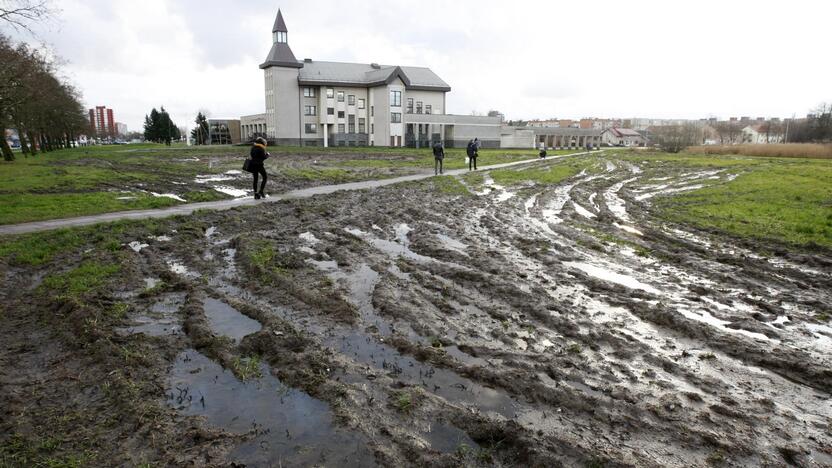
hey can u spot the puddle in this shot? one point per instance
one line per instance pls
(450, 243)
(234, 192)
(160, 238)
(613, 277)
(614, 203)
(137, 246)
(446, 438)
(203, 179)
(290, 428)
(228, 321)
(210, 231)
(705, 317)
(168, 195)
(125, 198)
(180, 269)
(583, 211)
(393, 249)
(309, 238)
(629, 229)
(150, 283)
(161, 319)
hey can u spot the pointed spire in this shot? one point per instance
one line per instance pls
(279, 24)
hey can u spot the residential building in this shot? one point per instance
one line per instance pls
(761, 134)
(551, 123)
(616, 136)
(102, 122)
(314, 103)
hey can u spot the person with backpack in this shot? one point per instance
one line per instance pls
(438, 157)
(472, 154)
(257, 166)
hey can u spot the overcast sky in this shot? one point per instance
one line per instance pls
(528, 59)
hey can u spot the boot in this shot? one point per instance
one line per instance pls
(256, 195)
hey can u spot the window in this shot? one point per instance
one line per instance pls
(330, 93)
(395, 98)
(409, 105)
(311, 128)
(428, 109)
(361, 103)
(395, 117)
(310, 110)
(281, 37)
(372, 128)
(418, 107)
(372, 111)
(330, 111)
(352, 123)
(308, 92)
(362, 125)
(340, 114)
(342, 128)
(351, 100)
(340, 96)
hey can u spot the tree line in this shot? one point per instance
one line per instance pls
(45, 110)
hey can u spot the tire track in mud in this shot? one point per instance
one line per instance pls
(555, 324)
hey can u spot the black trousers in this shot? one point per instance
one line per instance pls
(258, 171)
(437, 166)
(472, 163)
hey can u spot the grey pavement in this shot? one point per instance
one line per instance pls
(186, 209)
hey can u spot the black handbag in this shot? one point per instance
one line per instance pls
(247, 165)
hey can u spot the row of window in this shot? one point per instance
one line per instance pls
(428, 108)
(311, 128)
(330, 94)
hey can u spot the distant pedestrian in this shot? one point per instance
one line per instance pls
(472, 155)
(542, 153)
(257, 166)
(438, 157)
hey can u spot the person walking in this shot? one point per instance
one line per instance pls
(438, 157)
(472, 155)
(257, 166)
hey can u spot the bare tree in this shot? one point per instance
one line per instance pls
(675, 138)
(21, 14)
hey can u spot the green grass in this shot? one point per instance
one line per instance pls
(25, 207)
(449, 185)
(454, 158)
(80, 281)
(784, 199)
(551, 172)
(330, 175)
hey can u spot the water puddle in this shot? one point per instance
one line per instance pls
(583, 211)
(705, 317)
(228, 321)
(393, 249)
(629, 229)
(290, 428)
(613, 277)
(614, 203)
(234, 192)
(309, 238)
(450, 243)
(180, 269)
(137, 246)
(210, 231)
(168, 195)
(161, 319)
(446, 438)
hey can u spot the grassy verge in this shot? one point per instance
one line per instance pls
(790, 150)
(552, 173)
(787, 200)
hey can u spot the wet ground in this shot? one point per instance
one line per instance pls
(530, 325)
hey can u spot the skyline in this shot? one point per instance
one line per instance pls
(133, 57)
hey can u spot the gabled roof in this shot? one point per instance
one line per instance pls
(279, 24)
(369, 75)
(624, 132)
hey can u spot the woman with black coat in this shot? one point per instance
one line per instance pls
(257, 166)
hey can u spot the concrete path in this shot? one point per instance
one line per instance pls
(48, 225)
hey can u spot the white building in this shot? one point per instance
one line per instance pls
(622, 137)
(314, 103)
(760, 135)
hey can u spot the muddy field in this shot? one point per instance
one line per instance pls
(417, 325)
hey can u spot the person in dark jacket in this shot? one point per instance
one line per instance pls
(438, 157)
(472, 155)
(258, 167)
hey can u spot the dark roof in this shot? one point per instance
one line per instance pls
(561, 131)
(623, 132)
(279, 24)
(281, 56)
(364, 75)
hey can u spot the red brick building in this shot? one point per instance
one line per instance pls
(102, 121)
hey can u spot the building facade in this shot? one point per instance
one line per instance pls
(622, 137)
(223, 131)
(102, 122)
(315, 103)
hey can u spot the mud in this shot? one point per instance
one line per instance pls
(513, 326)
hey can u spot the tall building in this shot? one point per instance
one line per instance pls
(102, 121)
(353, 104)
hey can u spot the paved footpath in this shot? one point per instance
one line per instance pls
(186, 209)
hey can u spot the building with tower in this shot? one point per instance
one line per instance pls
(317, 103)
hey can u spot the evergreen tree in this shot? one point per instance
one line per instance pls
(159, 128)
(200, 133)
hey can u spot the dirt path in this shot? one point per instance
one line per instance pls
(187, 209)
